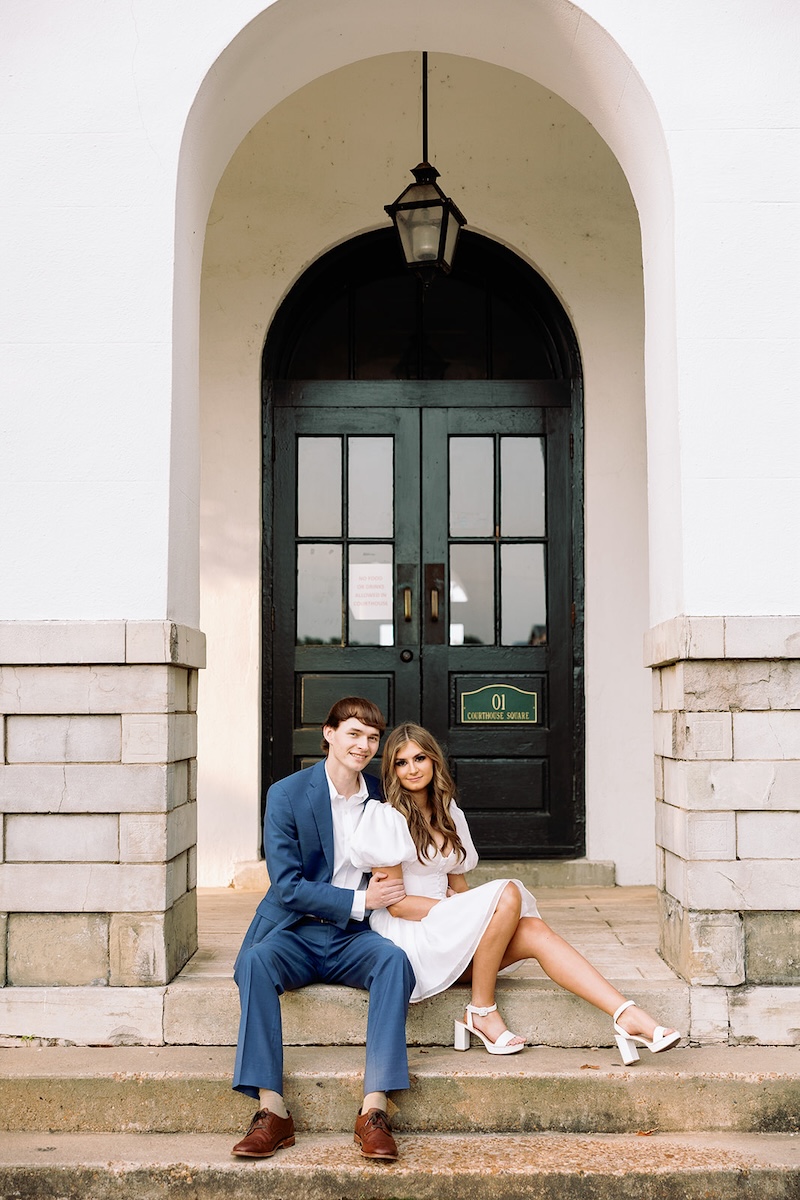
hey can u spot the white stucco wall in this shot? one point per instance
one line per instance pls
(532, 174)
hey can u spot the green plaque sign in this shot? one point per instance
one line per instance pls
(499, 702)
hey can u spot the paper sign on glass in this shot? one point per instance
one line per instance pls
(371, 591)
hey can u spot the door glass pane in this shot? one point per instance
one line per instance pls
(370, 597)
(319, 487)
(524, 606)
(319, 594)
(370, 487)
(471, 595)
(522, 487)
(471, 487)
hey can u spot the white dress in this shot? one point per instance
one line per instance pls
(440, 946)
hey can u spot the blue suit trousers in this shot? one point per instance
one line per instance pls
(320, 952)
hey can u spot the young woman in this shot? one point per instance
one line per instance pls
(450, 932)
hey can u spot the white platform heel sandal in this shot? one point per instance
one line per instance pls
(463, 1032)
(662, 1040)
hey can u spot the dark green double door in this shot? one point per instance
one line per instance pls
(422, 547)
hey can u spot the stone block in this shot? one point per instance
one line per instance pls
(157, 837)
(191, 868)
(3, 944)
(703, 947)
(661, 870)
(192, 681)
(177, 877)
(658, 776)
(62, 739)
(84, 1016)
(766, 735)
(672, 687)
(741, 686)
(165, 642)
(158, 737)
(664, 737)
(758, 884)
(192, 779)
(675, 877)
(655, 681)
(181, 829)
(710, 1020)
(143, 837)
(57, 949)
(92, 689)
(71, 838)
(33, 642)
(684, 637)
(765, 1016)
(732, 785)
(90, 787)
(768, 835)
(703, 736)
(83, 887)
(762, 637)
(150, 949)
(772, 947)
(696, 835)
(2, 739)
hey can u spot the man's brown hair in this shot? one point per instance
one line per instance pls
(354, 706)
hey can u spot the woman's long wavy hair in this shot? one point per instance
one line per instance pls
(441, 791)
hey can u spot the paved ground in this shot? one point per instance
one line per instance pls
(615, 927)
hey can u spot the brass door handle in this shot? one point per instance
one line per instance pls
(434, 604)
(406, 603)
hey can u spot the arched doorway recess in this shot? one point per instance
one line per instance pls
(423, 526)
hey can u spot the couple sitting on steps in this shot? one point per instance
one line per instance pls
(404, 932)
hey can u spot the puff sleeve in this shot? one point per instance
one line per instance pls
(462, 829)
(381, 839)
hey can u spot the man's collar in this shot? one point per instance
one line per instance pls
(362, 794)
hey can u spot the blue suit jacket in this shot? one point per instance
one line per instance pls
(298, 841)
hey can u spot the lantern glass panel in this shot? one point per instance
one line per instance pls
(420, 230)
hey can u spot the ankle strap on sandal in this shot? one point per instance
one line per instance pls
(481, 1012)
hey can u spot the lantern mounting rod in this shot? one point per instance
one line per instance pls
(424, 106)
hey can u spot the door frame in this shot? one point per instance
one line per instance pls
(295, 309)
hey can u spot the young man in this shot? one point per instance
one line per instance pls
(311, 927)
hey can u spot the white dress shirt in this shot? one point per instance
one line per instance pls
(347, 814)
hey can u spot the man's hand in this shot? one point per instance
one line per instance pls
(383, 891)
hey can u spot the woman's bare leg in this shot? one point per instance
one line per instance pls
(567, 967)
(488, 956)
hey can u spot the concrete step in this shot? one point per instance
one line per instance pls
(541, 1166)
(534, 873)
(206, 1012)
(149, 1090)
(547, 873)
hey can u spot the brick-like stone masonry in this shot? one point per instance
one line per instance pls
(726, 701)
(98, 821)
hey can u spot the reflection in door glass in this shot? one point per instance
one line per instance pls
(370, 487)
(319, 487)
(471, 595)
(524, 600)
(319, 594)
(522, 487)
(471, 487)
(370, 597)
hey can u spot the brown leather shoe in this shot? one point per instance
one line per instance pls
(373, 1135)
(267, 1133)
